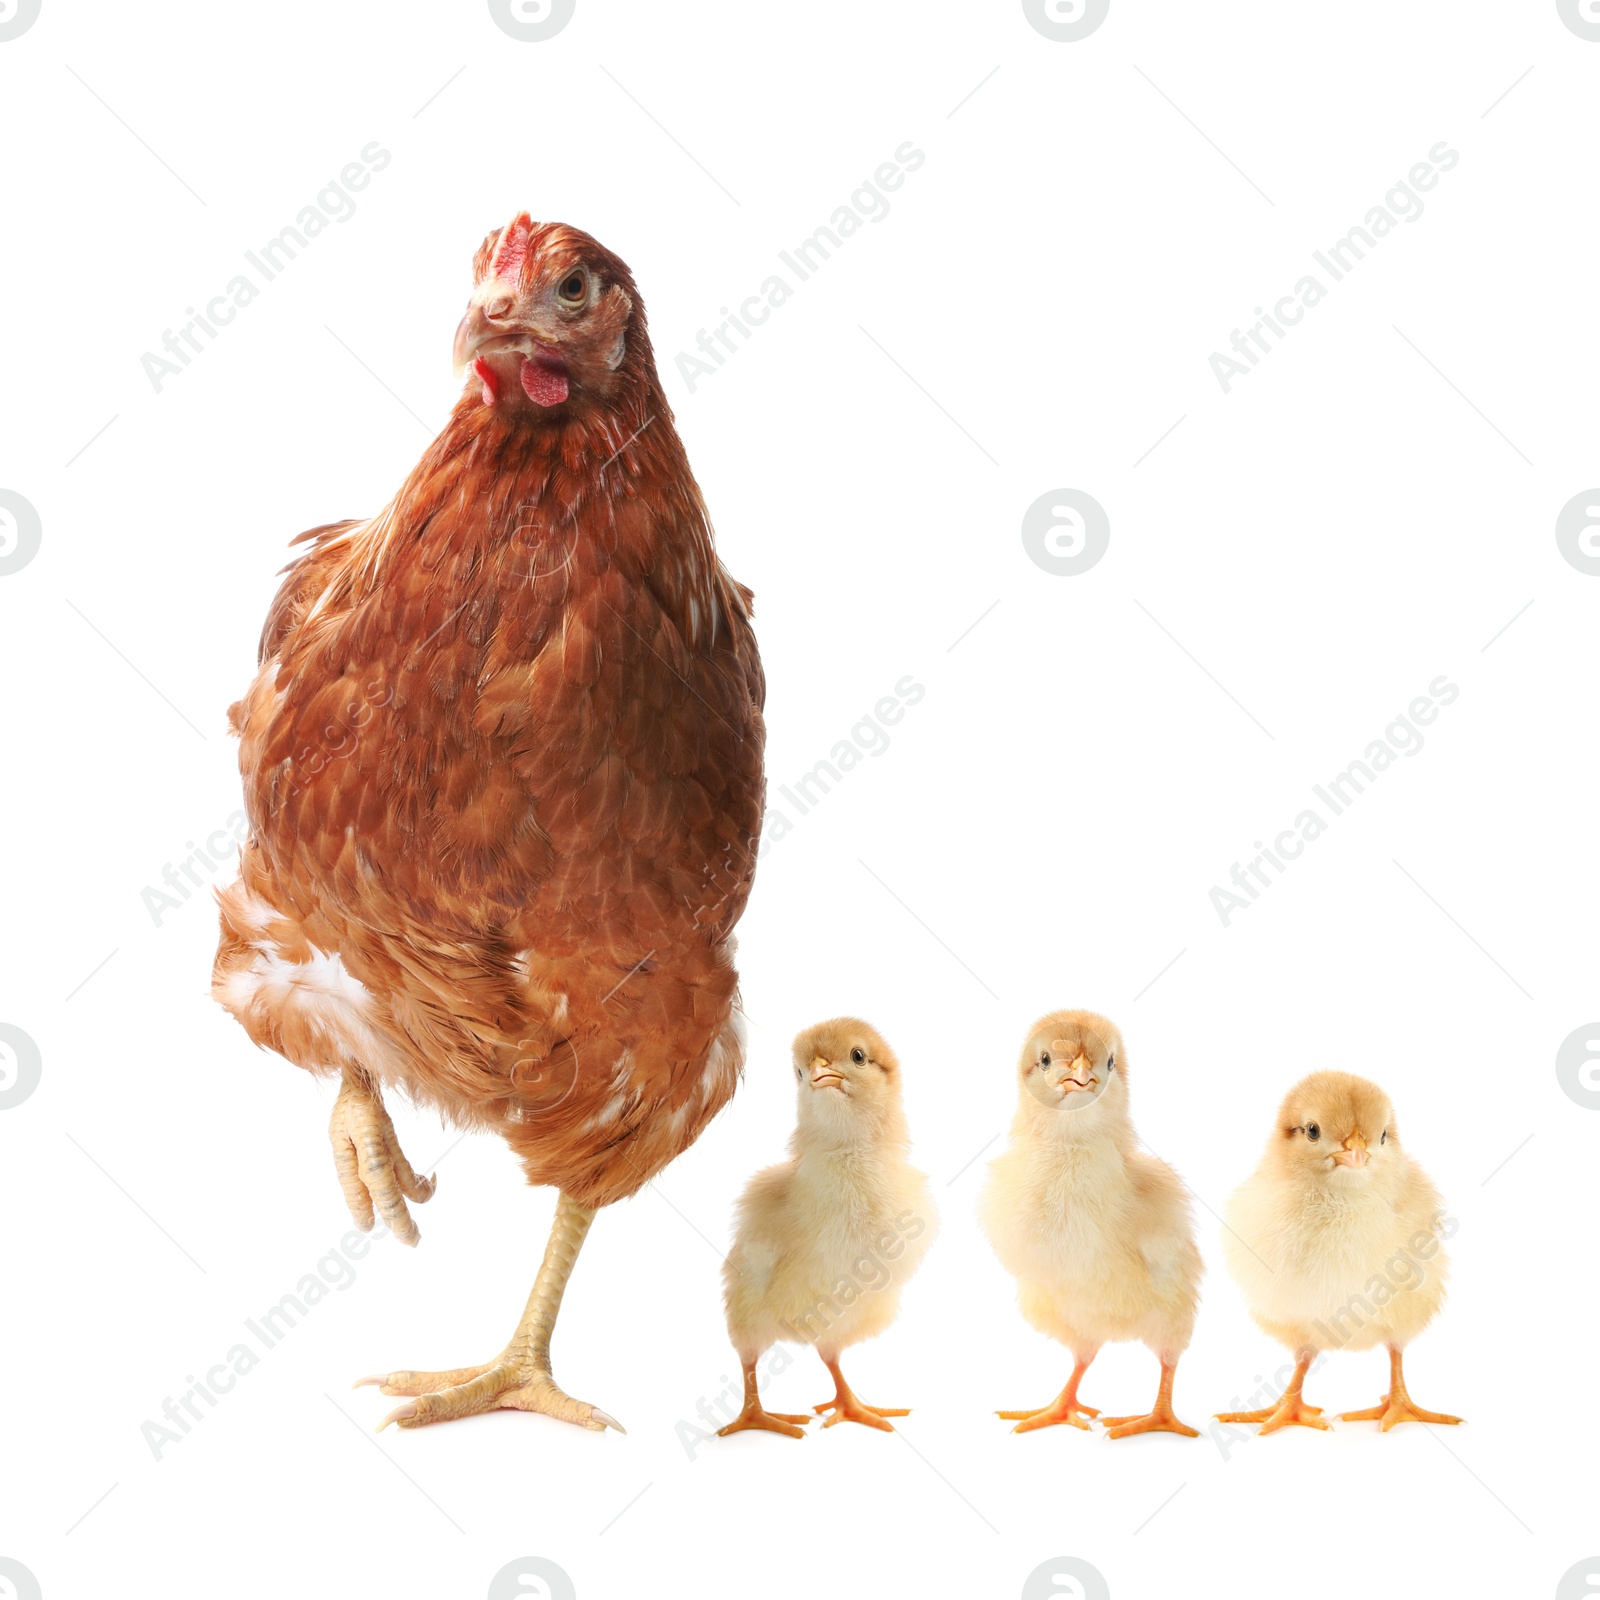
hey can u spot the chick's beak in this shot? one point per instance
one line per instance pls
(1353, 1154)
(1080, 1076)
(823, 1075)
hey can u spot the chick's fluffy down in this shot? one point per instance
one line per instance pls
(820, 1257)
(1100, 1242)
(1351, 1269)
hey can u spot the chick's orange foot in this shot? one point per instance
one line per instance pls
(1397, 1406)
(1076, 1414)
(755, 1415)
(373, 1170)
(1291, 1411)
(1066, 1407)
(1159, 1419)
(847, 1407)
(1391, 1411)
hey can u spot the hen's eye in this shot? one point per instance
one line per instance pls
(1383, 1138)
(1313, 1132)
(573, 288)
(858, 1055)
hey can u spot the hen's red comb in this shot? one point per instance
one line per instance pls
(511, 249)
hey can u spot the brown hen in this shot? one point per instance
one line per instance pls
(503, 767)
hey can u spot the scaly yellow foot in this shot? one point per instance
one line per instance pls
(519, 1378)
(372, 1168)
(515, 1385)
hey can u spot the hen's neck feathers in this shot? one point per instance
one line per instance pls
(503, 495)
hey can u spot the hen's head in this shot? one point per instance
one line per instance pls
(1335, 1128)
(551, 319)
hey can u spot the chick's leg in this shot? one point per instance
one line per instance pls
(519, 1377)
(847, 1408)
(755, 1415)
(372, 1168)
(1159, 1419)
(1290, 1411)
(1397, 1406)
(1066, 1407)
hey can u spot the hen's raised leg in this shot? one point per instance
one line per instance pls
(519, 1377)
(1066, 1407)
(847, 1408)
(372, 1168)
(756, 1415)
(1397, 1406)
(1290, 1411)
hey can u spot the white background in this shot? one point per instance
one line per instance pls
(1288, 568)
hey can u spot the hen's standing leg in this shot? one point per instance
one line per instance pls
(372, 1168)
(519, 1377)
(1397, 1406)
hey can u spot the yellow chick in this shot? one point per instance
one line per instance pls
(1335, 1242)
(825, 1241)
(1097, 1233)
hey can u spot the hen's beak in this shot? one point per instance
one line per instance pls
(1354, 1153)
(474, 329)
(823, 1075)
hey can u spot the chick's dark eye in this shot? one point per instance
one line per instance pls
(1383, 1138)
(573, 288)
(1313, 1132)
(1044, 1060)
(858, 1055)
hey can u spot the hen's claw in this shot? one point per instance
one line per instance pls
(372, 1168)
(468, 1391)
